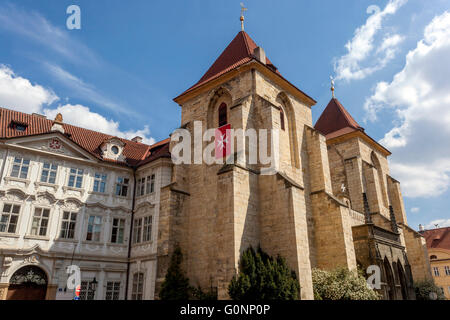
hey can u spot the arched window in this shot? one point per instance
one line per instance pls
(433, 257)
(223, 115)
(282, 119)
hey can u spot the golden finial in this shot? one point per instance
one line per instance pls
(332, 86)
(59, 118)
(243, 9)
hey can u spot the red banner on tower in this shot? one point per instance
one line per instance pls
(223, 141)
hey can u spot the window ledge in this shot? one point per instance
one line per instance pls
(66, 240)
(98, 193)
(46, 184)
(142, 243)
(9, 235)
(26, 181)
(95, 243)
(67, 188)
(117, 244)
(32, 237)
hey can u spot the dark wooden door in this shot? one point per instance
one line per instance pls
(26, 292)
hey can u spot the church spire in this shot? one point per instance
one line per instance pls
(243, 9)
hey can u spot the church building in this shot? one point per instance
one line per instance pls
(118, 208)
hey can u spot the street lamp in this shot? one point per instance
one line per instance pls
(93, 285)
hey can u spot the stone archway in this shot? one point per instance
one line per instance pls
(28, 283)
(402, 278)
(389, 280)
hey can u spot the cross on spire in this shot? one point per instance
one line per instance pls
(332, 86)
(243, 9)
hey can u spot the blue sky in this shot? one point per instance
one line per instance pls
(120, 72)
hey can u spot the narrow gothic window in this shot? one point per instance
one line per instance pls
(223, 115)
(282, 119)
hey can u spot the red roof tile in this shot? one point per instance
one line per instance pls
(134, 152)
(335, 119)
(238, 52)
(438, 238)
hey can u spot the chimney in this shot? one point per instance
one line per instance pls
(260, 55)
(137, 139)
(421, 228)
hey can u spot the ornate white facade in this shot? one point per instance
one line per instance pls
(61, 206)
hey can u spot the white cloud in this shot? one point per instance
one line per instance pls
(441, 223)
(420, 96)
(81, 116)
(19, 93)
(415, 210)
(361, 47)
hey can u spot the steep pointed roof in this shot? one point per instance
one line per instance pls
(237, 53)
(335, 120)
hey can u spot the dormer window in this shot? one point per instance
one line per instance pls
(18, 126)
(113, 149)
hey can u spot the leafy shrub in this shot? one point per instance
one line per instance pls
(262, 277)
(428, 290)
(341, 284)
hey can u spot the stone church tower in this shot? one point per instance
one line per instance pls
(331, 202)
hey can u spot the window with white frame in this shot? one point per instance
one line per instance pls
(40, 222)
(75, 178)
(68, 224)
(137, 230)
(94, 228)
(138, 286)
(447, 270)
(48, 174)
(436, 271)
(112, 290)
(9, 217)
(150, 184)
(147, 233)
(118, 230)
(86, 292)
(140, 187)
(122, 186)
(20, 168)
(99, 183)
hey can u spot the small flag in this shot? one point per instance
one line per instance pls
(222, 141)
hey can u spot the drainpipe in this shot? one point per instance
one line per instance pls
(131, 234)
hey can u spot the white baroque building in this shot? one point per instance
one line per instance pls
(71, 196)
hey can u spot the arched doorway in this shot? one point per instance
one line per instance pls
(401, 275)
(390, 283)
(28, 283)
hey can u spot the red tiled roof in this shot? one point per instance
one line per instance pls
(134, 152)
(438, 238)
(238, 52)
(336, 121)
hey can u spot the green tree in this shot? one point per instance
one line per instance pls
(175, 285)
(341, 284)
(428, 290)
(262, 277)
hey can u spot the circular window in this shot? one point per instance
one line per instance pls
(115, 149)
